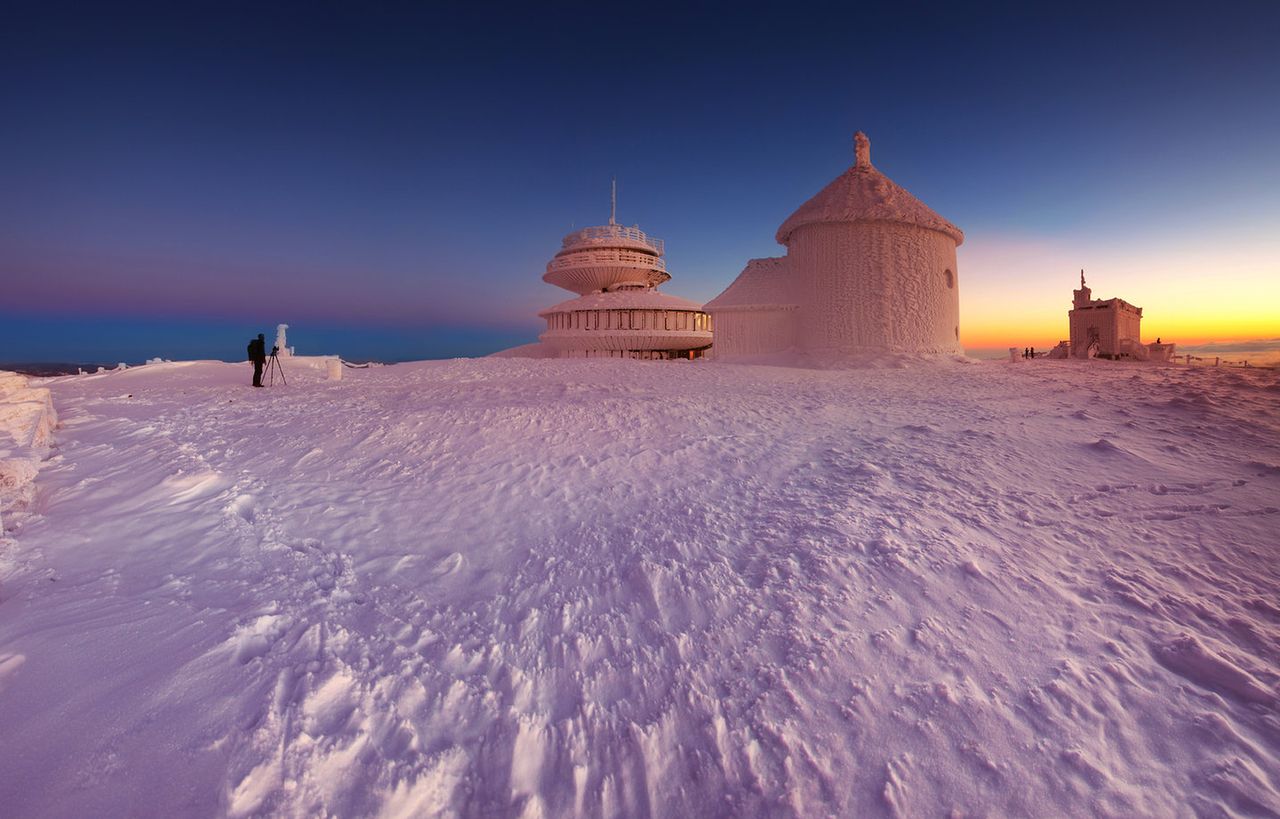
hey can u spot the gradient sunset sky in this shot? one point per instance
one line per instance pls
(390, 179)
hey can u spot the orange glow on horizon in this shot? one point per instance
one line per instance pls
(1016, 291)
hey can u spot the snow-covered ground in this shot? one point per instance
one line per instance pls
(511, 587)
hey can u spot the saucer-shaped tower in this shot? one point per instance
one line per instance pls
(619, 313)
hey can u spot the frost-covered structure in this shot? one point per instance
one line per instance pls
(282, 343)
(757, 313)
(619, 313)
(1107, 328)
(1104, 328)
(868, 268)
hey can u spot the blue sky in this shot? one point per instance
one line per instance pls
(392, 180)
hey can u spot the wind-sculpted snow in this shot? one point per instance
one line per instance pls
(611, 588)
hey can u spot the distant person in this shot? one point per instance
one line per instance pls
(1033, 352)
(1026, 351)
(258, 355)
(1157, 339)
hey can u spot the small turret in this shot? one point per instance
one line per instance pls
(1084, 295)
(861, 151)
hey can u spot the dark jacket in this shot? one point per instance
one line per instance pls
(257, 351)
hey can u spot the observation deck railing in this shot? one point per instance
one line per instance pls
(590, 258)
(607, 232)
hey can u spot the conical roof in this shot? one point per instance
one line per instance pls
(762, 284)
(863, 194)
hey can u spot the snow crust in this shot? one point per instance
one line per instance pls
(507, 587)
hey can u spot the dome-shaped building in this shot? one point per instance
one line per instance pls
(619, 313)
(868, 268)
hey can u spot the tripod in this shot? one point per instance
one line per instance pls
(273, 367)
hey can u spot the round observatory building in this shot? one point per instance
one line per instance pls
(619, 313)
(869, 268)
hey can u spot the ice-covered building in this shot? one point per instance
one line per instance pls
(869, 268)
(1107, 328)
(619, 313)
(1101, 328)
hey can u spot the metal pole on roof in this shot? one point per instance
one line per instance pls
(613, 202)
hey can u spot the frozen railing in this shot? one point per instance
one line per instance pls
(1218, 361)
(588, 258)
(607, 232)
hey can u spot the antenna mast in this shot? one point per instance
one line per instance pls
(613, 202)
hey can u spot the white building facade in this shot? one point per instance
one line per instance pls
(869, 268)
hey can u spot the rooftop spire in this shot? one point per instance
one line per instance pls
(861, 151)
(1082, 277)
(613, 202)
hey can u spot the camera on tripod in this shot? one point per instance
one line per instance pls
(273, 367)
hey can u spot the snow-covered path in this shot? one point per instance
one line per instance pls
(504, 587)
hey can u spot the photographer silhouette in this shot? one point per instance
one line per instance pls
(258, 355)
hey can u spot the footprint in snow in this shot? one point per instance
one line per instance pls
(448, 565)
(243, 507)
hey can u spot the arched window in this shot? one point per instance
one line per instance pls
(950, 278)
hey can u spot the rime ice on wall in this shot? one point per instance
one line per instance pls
(626, 323)
(878, 285)
(868, 267)
(757, 313)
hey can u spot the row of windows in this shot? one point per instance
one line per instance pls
(582, 258)
(643, 355)
(630, 320)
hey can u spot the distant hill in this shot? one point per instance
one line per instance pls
(47, 368)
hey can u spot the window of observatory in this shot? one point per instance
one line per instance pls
(950, 277)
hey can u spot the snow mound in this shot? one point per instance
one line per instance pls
(27, 420)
